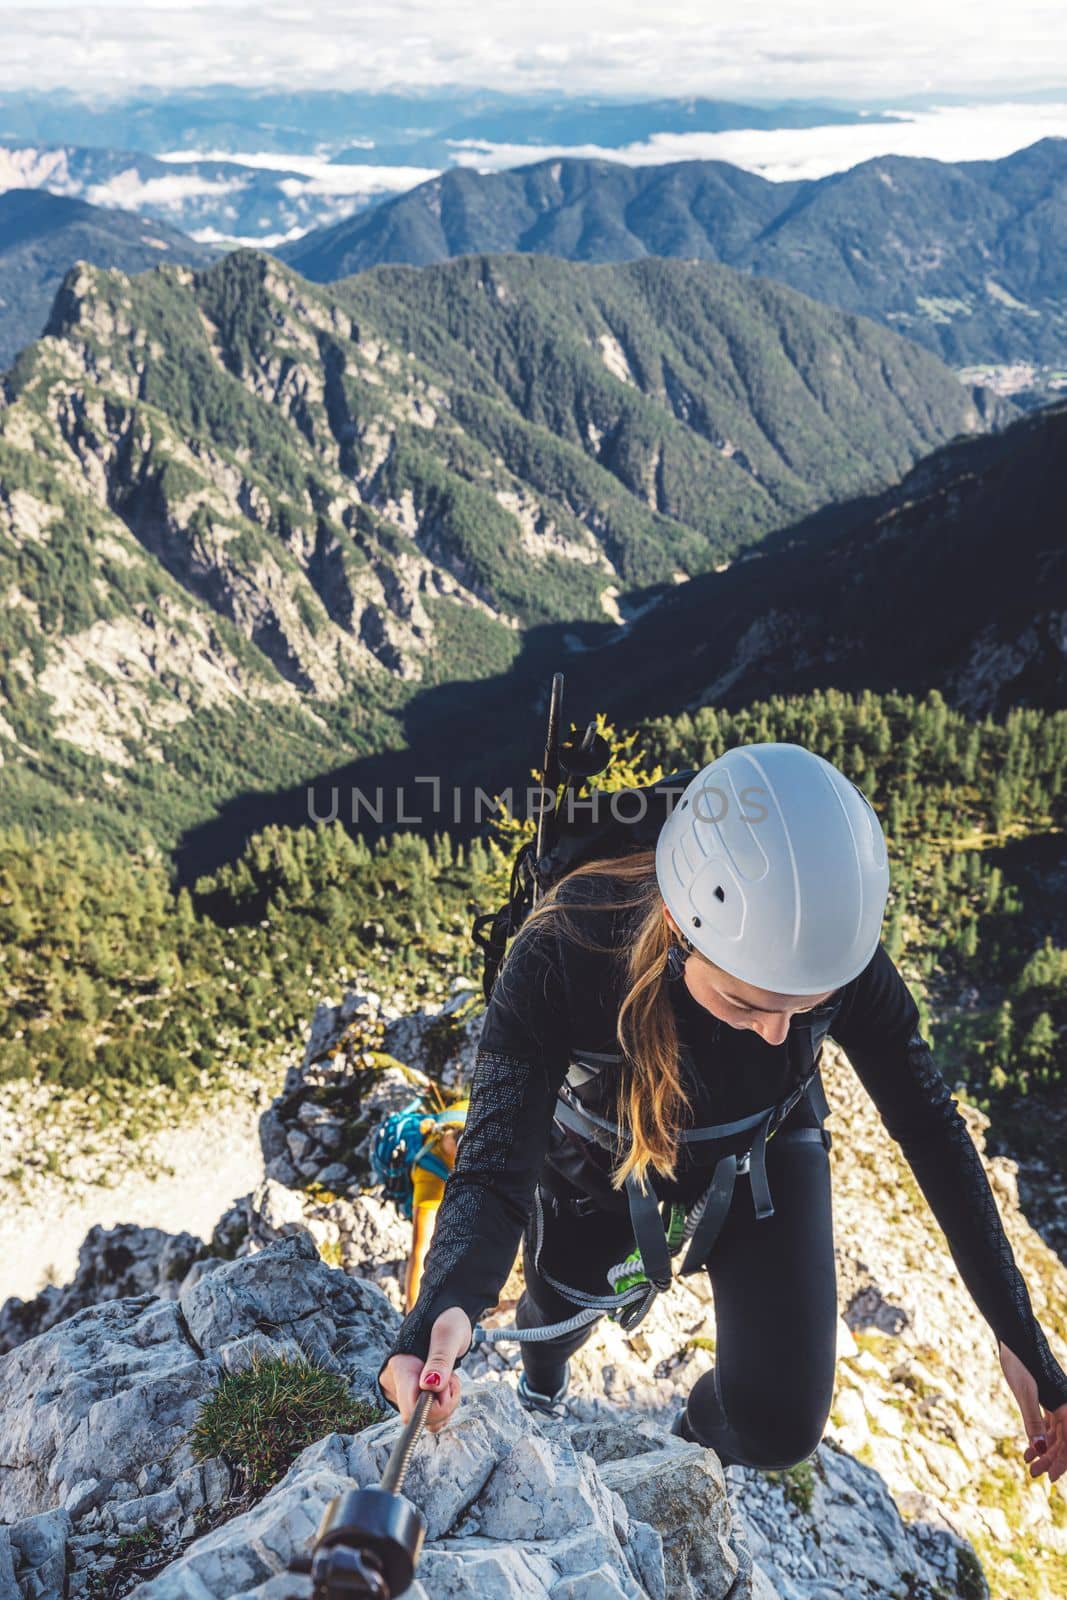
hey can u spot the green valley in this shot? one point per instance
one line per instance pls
(246, 521)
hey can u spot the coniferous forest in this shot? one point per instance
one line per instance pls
(131, 996)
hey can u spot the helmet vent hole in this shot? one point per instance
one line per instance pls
(696, 922)
(720, 893)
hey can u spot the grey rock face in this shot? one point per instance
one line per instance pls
(91, 1404)
(331, 1103)
(852, 1541)
(97, 1411)
(112, 1263)
(33, 1556)
(342, 1322)
(677, 1491)
(319, 1129)
(510, 1512)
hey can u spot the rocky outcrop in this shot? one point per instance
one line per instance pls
(510, 1509)
(97, 1410)
(113, 1263)
(359, 1065)
(920, 1466)
(96, 1447)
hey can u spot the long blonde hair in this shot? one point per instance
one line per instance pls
(650, 1099)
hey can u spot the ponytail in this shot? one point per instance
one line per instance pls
(651, 1102)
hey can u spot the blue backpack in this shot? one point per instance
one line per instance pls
(399, 1145)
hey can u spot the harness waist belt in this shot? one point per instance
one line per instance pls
(706, 1219)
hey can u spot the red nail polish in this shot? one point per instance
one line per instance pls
(432, 1379)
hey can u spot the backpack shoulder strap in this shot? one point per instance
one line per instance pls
(431, 1163)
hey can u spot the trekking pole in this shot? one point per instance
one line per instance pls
(582, 759)
(369, 1540)
(549, 769)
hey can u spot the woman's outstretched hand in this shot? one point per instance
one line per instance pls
(404, 1377)
(1045, 1430)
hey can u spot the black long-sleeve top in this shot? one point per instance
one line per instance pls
(555, 996)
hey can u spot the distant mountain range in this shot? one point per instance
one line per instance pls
(594, 122)
(403, 127)
(216, 198)
(968, 258)
(304, 161)
(42, 235)
(245, 519)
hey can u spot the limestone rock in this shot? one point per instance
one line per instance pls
(330, 1104)
(112, 1263)
(510, 1510)
(98, 1410)
(33, 1556)
(342, 1322)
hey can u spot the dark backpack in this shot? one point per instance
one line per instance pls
(586, 829)
(576, 829)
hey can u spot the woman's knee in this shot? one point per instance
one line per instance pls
(780, 1435)
(752, 1432)
(775, 1450)
(784, 1449)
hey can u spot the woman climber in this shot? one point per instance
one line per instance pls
(653, 1039)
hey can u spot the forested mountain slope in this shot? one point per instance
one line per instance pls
(966, 257)
(955, 579)
(244, 518)
(41, 237)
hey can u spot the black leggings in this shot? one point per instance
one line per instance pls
(766, 1401)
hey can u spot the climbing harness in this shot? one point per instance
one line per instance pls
(649, 1269)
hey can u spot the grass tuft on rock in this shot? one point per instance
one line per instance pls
(797, 1482)
(259, 1419)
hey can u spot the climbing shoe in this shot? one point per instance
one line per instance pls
(546, 1405)
(680, 1427)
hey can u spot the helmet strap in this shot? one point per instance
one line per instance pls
(678, 952)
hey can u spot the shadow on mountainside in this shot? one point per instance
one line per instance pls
(956, 579)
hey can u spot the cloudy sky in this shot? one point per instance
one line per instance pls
(854, 49)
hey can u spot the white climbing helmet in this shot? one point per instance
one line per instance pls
(774, 866)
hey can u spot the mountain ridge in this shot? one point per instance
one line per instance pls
(823, 604)
(42, 235)
(235, 500)
(910, 241)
